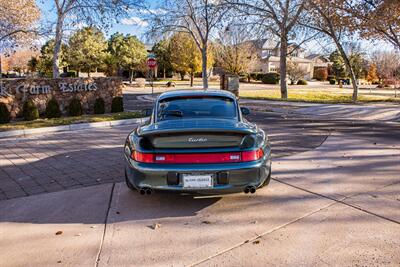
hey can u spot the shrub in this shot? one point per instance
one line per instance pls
(4, 114)
(70, 73)
(332, 81)
(53, 109)
(270, 78)
(117, 104)
(256, 76)
(75, 107)
(29, 111)
(99, 106)
(321, 74)
(302, 82)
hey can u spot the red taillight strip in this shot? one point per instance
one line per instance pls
(199, 158)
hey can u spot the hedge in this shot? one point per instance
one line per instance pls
(4, 114)
(29, 111)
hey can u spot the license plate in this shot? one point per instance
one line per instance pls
(197, 180)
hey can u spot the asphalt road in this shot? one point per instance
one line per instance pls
(334, 200)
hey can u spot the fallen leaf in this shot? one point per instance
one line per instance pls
(155, 226)
(206, 222)
(256, 242)
(93, 226)
(78, 234)
(59, 232)
(58, 261)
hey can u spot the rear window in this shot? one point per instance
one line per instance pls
(196, 107)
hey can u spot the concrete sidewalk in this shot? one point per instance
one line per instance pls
(334, 205)
(368, 112)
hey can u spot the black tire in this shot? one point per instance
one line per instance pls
(128, 183)
(266, 182)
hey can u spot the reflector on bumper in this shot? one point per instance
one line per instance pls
(190, 158)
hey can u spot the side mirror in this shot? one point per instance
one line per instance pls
(245, 111)
(147, 112)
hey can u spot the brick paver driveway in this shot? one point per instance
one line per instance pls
(60, 161)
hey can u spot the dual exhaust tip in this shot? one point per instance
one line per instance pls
(146, 191)
(250, 189)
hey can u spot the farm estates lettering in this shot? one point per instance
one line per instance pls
(46, 89)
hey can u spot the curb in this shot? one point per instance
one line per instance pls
(71, 127)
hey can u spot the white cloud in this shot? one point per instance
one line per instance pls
(134, 21)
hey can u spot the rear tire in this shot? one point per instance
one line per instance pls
(128, 183)
(266, 182)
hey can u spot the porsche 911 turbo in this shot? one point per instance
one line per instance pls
(197, 142)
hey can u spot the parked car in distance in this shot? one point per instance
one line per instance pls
(197, 142)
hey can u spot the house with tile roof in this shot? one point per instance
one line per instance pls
(267, 58)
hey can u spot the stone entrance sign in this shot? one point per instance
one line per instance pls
(230, 82)
(14, 92)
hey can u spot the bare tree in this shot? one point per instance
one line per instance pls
(91, 12)
(279, 17)
(18, 24)
(295, 71)
(234, 51)
(330, 18)
(199, 18)
(387, 63)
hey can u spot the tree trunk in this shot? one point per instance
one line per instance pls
(204, 67)
(165, 74)
(130, 76)
(191, 79)
(282, 66)
(57, 46)
(350, 69)
(1, 67)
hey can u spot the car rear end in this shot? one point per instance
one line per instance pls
(207, 154)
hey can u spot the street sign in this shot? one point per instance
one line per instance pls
(152, 63)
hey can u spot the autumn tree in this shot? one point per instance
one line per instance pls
(18, 61)
(185, 56)
(377, 19)
(18, 24)
(128, 52)
(278, 17)
(372, 75)
(198, 18)
(87, 49)
(101, 13)
(330, 18)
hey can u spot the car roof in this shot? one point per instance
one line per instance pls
(188, 93)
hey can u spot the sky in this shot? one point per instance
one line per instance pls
(133, 25)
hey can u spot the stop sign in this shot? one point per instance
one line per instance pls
(152, 63)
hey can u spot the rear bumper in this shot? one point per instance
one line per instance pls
(227, 178)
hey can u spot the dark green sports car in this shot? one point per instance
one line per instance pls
(197, 142)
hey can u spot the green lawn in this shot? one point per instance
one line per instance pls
(314, 97)
(19, 125)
